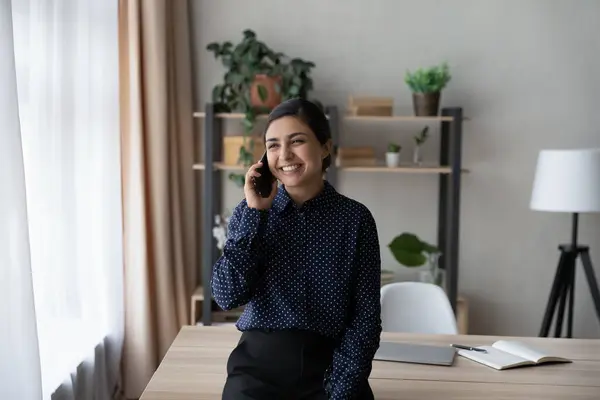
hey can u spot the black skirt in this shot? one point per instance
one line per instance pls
(286, 365)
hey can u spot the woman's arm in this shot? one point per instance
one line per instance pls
(236, 271)
(352, 360)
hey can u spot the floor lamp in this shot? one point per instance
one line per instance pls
(568, 181)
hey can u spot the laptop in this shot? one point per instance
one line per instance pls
(415, 353)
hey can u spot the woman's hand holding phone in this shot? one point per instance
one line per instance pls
(253, 199)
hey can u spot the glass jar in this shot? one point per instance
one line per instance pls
(434, 274)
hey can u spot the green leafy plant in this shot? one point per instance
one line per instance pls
(411, 251)
(244, 61)
(422, 137)
(394, 148)
(428, 80)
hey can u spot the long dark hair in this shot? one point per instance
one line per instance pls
(310, 114)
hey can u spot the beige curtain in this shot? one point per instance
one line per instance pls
(158, 185)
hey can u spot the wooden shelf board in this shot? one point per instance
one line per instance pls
(199, 114)
(227, 115)
(425, 169)
(345, 117)
(221, 167)
(406, 169)
(396, 118)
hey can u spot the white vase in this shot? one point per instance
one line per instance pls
(392, 159)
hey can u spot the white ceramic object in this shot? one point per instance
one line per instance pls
(392, 159)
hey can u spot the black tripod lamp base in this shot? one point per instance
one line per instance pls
(563, 289)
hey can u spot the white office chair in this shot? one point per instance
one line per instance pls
(416, 307)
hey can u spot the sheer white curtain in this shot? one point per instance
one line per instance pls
(19, 358)
(66, 55)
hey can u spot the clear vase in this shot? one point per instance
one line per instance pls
(417, 155)
(434, 273)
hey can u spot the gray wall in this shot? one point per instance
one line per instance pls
(525, 72)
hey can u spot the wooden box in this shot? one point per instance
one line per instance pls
(356, 152)
(232, 145)
(363, 156)
(355, 162)
(371, 106)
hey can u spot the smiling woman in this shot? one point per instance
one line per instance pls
(298, 142)
(306, 261)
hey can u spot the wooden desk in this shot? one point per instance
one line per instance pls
(194, 368)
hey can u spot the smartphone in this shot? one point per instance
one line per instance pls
(264, 183)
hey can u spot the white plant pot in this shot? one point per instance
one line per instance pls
(392, 159)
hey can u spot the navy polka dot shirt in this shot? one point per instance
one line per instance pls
(316, 267)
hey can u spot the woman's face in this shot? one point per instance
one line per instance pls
(294, 153)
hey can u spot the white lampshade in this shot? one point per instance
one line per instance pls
(567, 181)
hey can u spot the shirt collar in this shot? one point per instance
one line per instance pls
(326, 196)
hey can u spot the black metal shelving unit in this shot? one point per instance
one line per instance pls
(448, 220)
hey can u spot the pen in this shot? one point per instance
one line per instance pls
(459, 346)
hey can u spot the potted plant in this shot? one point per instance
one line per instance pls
(426, 85)
(257, 79)
(392, 156)
(409, 250)
(419, 139)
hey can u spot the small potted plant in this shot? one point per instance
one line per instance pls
(411, 252)
(392, 156)
(420, 140)
(426, 85)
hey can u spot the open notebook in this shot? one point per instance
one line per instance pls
(505, 354)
